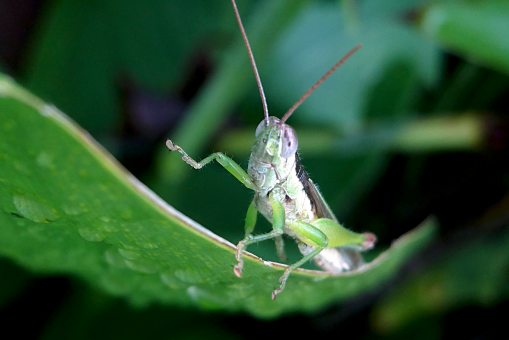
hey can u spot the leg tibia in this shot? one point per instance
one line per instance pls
(221, 158)
(290, 269)
(237, 269)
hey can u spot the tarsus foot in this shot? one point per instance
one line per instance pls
(237, 270)
(369, 241)
(275, 292)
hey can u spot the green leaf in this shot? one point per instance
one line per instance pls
(474, 273)
(90, 48)
(318, 38)
(67, 207)
(475, 29)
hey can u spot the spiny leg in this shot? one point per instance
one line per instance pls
(221, 158)
(290, 269)
(320, 234)
(251, 216)
(315, 237)
(237, 269)
(278, 225)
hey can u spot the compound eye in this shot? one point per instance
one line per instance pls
(290, 142)
(260, 127)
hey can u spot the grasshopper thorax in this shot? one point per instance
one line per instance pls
(273, 154)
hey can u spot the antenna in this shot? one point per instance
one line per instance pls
(257, 76)
(321, 80)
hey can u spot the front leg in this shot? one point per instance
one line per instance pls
(278, 225)
(228, 163)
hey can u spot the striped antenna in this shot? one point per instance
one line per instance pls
(255, 69)
(321, 80)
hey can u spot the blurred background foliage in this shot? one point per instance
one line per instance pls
(414, 124)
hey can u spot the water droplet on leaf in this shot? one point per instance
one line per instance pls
(194, 276)
(205, 299)
(142, 266)
(91, 235)
(33, 209)
(71, 210)
(129, 254)
(171, 281)
(45, 160)
(113, 258)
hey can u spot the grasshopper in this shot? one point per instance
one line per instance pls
(284, 194)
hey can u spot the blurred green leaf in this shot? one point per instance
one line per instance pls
(471, 87)
(475, 273)
(474, 29)
(89, 49)
(388, 9)
(68, 207)
(394, 61)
